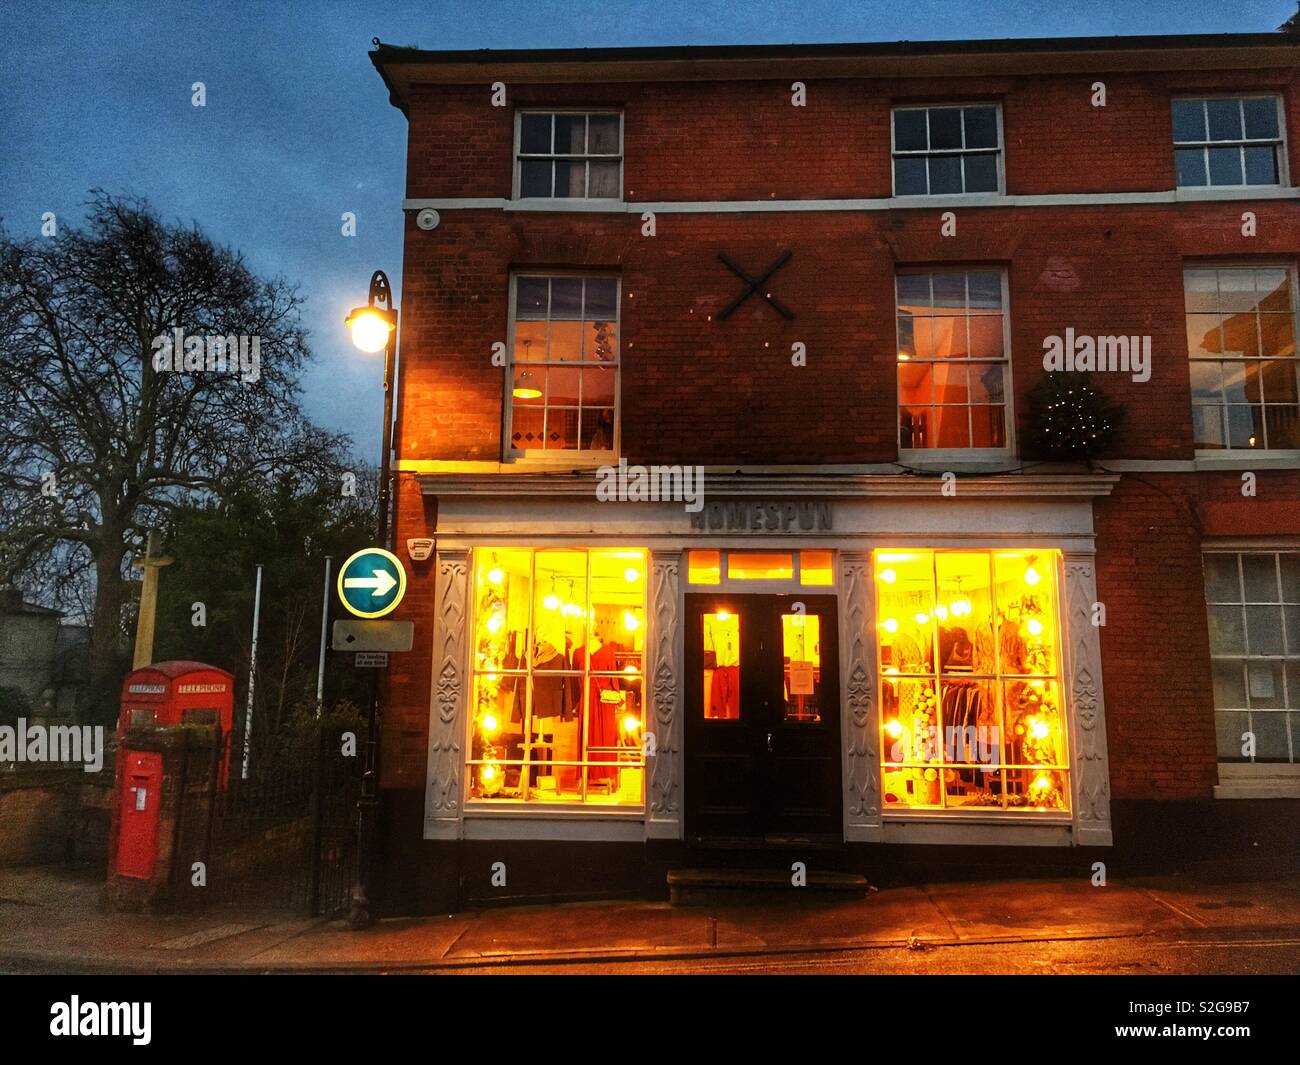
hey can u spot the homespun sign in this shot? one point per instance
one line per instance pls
(775, 517)
(372, 582)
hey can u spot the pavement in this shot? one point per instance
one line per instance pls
(50, 920)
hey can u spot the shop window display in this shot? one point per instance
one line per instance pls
(971, 711)
(559, 638)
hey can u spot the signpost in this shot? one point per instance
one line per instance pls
(372, 582)
(350, 635)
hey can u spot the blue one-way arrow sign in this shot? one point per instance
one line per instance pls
(372, 582)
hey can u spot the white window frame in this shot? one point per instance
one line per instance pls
(726, 585)
(1279, 145)
(566, 457)
(999, 153)
(948, 455)
(1251, 780)
(1225, 455)
(518, 156)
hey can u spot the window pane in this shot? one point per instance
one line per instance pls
(988, 426)
(531, 297)
(1229, 684)
(986, 337)
(535, 177)
(1277, 334)
(1245, 426)
(909, 176)
(561, 428)
(565, 341)
(1222, 584)
(963, 613)
(1201, 291)
(945, 128)
(949, 291)
(913, 291)
(1229, 729)
(1263, 630)
(598, 429)
(1203, 335)
(721, 666)
(1282, 427)
(703, 567)
(530, 341)
(562, 383)
(570, 134)
(1207, 427)
(759, 566)
(601, 298)
(603, 181)
(566, 297)
(570, 178)
(801, 665)
(1259, 578)
(559, 624)
(1261, 118)
(981, 173)
(1225, 166)
(950, 384)
(947, 339)
(1270, 737)
(1264, 686)
(600, 341)
(945, 174)
(1189, 120)
(815, 568)
(535, 134)
(529, 386)
(951, 426)
(597, 386)
(1190, 166)
(909, 131)
(981, 127)
(1261, 166)
(1225, 119)
(985, 288)
(618, 610)
(602, 134)
(1227, 630)
(526, 427)
(1291, 581)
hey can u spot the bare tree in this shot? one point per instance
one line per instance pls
(102, 432)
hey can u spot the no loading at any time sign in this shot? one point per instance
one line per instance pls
(372, 582)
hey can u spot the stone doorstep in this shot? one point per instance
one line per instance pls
(713, 886)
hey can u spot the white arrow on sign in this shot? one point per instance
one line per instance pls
(380, 584)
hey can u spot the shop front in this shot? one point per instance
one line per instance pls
(881, 663)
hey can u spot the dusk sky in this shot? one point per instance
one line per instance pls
(298, 129)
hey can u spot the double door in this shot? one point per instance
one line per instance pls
(762, 743)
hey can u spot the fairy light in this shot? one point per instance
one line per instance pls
(631, 574)
(890, 624)
(1034, 626)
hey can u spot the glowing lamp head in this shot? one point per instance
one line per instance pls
(922, 618)
(370, 328)
(630, 621)
(1034, 626)
(941, 612)
(631, 574)
(1039, 729)
(630, 724)
(551, 602)
(1032, 576)
(1041, 783)
(495, 576)
(894, 729)
(888, 576)
(494, 623)
(723, 615)
(526, 387)
(890, 624)
(490, 723)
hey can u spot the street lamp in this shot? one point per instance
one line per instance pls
(374, 329)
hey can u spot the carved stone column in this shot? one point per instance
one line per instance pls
(663, 679)
(442, 808)
(861, 727)
(1089, 764)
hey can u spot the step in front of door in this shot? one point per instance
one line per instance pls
(722, 886)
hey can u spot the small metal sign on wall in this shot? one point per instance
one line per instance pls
(755, 285)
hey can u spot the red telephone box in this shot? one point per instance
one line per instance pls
(160, 695)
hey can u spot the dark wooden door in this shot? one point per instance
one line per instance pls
(762, 718)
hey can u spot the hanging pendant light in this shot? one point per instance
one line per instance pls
(526, 387)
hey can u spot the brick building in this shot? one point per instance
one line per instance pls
(883, 632)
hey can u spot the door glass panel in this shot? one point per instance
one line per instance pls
(801, 666)
(721, 666)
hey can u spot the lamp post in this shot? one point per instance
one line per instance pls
(374, 329)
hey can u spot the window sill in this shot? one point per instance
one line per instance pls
(567, 460)
(1270, 780)
(959, 461)
(1240, 459)
(575, 203)
(1234, 192)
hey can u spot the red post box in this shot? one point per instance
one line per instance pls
(159, 696)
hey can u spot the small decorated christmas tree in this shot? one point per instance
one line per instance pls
(1069, 420)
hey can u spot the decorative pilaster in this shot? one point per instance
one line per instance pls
(442, 809)
(663, 679)
(860, 728)
(1089, 763)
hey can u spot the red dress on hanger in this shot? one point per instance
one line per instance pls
(602, 717)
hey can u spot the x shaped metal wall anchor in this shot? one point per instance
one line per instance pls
(754, 283)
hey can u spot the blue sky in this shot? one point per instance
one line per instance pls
(297, 128)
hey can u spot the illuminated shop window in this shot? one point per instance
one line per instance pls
(556, 712)
(564, 365)
(810, 568)
(971, 711)
(952, 361)
(1253, 602)
(1241, 342)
